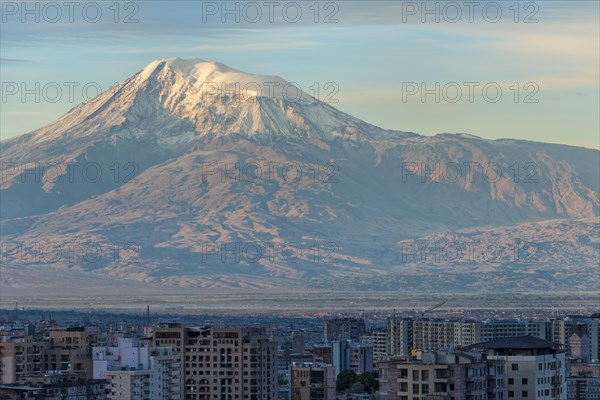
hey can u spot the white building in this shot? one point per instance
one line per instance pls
(535, 367)
(378, 338)
(136, 371)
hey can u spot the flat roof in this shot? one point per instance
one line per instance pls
(517, 342)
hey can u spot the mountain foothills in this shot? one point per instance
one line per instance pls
(174, 179)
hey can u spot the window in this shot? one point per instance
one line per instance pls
(415, 375)
(524, 381)
(424, 375)
(415, 389)
(511, 381)
(511, 393)
(425, 388)
(524, 393)
(514, 367)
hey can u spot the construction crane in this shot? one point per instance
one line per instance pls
(438, 305)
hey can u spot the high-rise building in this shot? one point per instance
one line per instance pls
(220, 363)
(137, 371)
(441, 375)
(436, 334)
(356, 356)
(343, 329)
(71, 350)
(399, 336)
(175, 336)
(535, 367)
(377, 338)
(312, 381)
(20, 356)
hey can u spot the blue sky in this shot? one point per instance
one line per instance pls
(374, 53)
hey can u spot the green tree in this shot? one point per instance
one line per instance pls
(345, 379)
(357, 387)
(370, 381)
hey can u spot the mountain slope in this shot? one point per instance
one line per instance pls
(199, 187)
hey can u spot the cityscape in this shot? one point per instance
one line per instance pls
(430, 353)
(300, 200)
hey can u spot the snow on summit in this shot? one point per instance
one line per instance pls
(177, 99)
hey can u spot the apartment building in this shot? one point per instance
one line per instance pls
(20, 356)
(536, 368)
(378, 338)
(71, 350)
(55, 386)
(399, 336)
(312, 381)
(442, 375)
(343, 329)
(357, 356)
(220, 363)
(436, 334)
(136, 370)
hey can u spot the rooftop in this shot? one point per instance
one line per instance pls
(517, 342)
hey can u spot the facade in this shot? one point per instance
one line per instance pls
(356, 356)
(377, 338)
(436, 334)
(439, 375)
(580, 346)
(71, 350)
(310, 381)
(21, 356)
(224, 363)
(535, 367)
(175, 336)
(55, 386)
(399, 336)
(343, 329)
(136, 371)
(583, 382)
(563, 329)
(583, 386)
(323, 353)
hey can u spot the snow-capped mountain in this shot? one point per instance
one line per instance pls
(191, 173)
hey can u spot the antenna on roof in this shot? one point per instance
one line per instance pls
(147, 319)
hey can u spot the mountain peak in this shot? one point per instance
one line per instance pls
(180, 100)
(189, 66)
(210, 77)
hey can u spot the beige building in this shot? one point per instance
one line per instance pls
(71, 350)
(444, 376)
(20, 356)
(312, 381)
(223, 363)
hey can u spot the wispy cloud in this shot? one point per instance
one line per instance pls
(8, 61)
